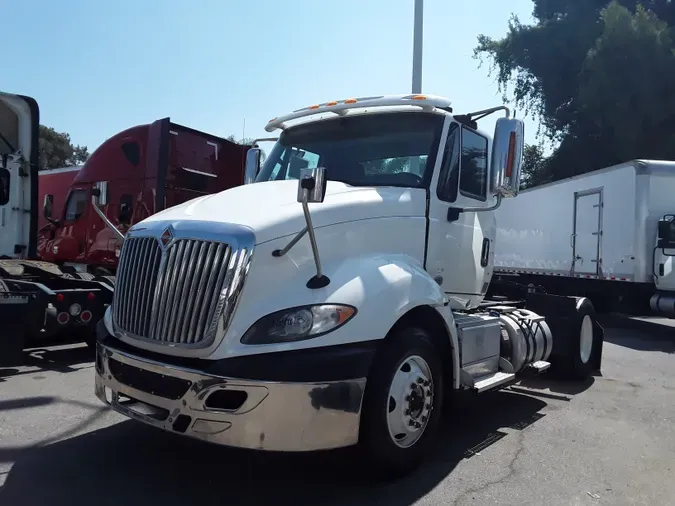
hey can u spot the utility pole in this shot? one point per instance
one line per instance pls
(417, 48)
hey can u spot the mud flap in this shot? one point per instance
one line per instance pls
(563, 317)
(12, 337)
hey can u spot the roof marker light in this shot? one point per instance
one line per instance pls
(419, 97)
(350, 101)
(328, 104)
(315, 106)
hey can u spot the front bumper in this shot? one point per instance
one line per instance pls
(264, 415)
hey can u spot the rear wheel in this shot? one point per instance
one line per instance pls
(402, 403)
(582, 328)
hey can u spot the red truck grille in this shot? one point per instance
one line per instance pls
(175, 295)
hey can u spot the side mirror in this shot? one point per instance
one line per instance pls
(252, 165)
(508, 146)
(314, 181)
(47, 206)
(100, 193)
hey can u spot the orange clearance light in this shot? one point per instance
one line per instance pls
(511, 156)
(315, 106)
(350, 101)
(328, 104)
(419, 97)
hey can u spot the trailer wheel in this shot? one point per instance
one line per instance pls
(578, 364)
(402, 403)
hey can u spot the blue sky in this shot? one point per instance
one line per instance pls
(98, 67)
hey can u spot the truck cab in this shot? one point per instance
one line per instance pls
(336, 299)
(135, 174)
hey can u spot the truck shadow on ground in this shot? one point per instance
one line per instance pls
(63, 359)
(639, 334)
(129, 463)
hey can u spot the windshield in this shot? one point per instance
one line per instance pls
(393, 149)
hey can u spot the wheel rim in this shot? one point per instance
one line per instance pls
(586, 339)
(410, 401)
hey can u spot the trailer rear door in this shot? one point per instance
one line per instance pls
(587, 233)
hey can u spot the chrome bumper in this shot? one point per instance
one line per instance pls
(272, 416)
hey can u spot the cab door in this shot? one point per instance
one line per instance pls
(70, 242)
(460, 246)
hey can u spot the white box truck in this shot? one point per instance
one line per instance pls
(336, 299)
(608, 235)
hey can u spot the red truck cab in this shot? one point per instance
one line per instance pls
(147, 168)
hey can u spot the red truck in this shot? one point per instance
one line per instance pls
(137, 172)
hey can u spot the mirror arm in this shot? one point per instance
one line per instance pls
(287, 248)
(263, 139)
(479, 209)
(105, 219)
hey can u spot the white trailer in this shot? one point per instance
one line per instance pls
(336, 299)
(596, 234)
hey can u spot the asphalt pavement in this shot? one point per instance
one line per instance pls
(608, 441)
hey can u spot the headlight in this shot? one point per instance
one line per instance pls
(298, 323)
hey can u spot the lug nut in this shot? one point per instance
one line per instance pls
(424, 419)
(420, 380)
(406, 412)
(411, 423)
(418, 425)
(427, 406)
(413, 385)
(427, 383)
(407, 398)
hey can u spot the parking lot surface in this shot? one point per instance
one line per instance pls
(608, 441)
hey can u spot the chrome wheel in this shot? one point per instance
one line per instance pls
(586, 339)
(411, 399)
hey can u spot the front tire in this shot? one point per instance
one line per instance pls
(402, 403)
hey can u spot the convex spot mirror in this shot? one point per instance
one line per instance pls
(314, 181)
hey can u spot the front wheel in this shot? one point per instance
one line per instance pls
(402, 403)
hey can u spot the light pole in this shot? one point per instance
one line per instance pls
(417, 48)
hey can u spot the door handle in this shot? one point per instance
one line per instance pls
(485, 253)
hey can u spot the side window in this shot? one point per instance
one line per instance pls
(132, 152)
(4, 187)
(449, 175)
(126, 209)
(473, 177)
(77, 203)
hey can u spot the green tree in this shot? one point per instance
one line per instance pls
(596, 75)
(56, 150)
(535, 168)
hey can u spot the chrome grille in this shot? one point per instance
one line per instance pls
(175, 296)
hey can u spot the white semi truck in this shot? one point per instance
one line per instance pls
(338, 299)
(608, 235)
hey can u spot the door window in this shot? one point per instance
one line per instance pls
(77, 203)
(449, 175)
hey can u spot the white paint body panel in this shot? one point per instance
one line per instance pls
(15, 218)
(534, 231)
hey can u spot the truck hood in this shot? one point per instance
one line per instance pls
(270, 208)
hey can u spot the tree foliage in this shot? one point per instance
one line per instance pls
(596, 74)
(56, 150)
